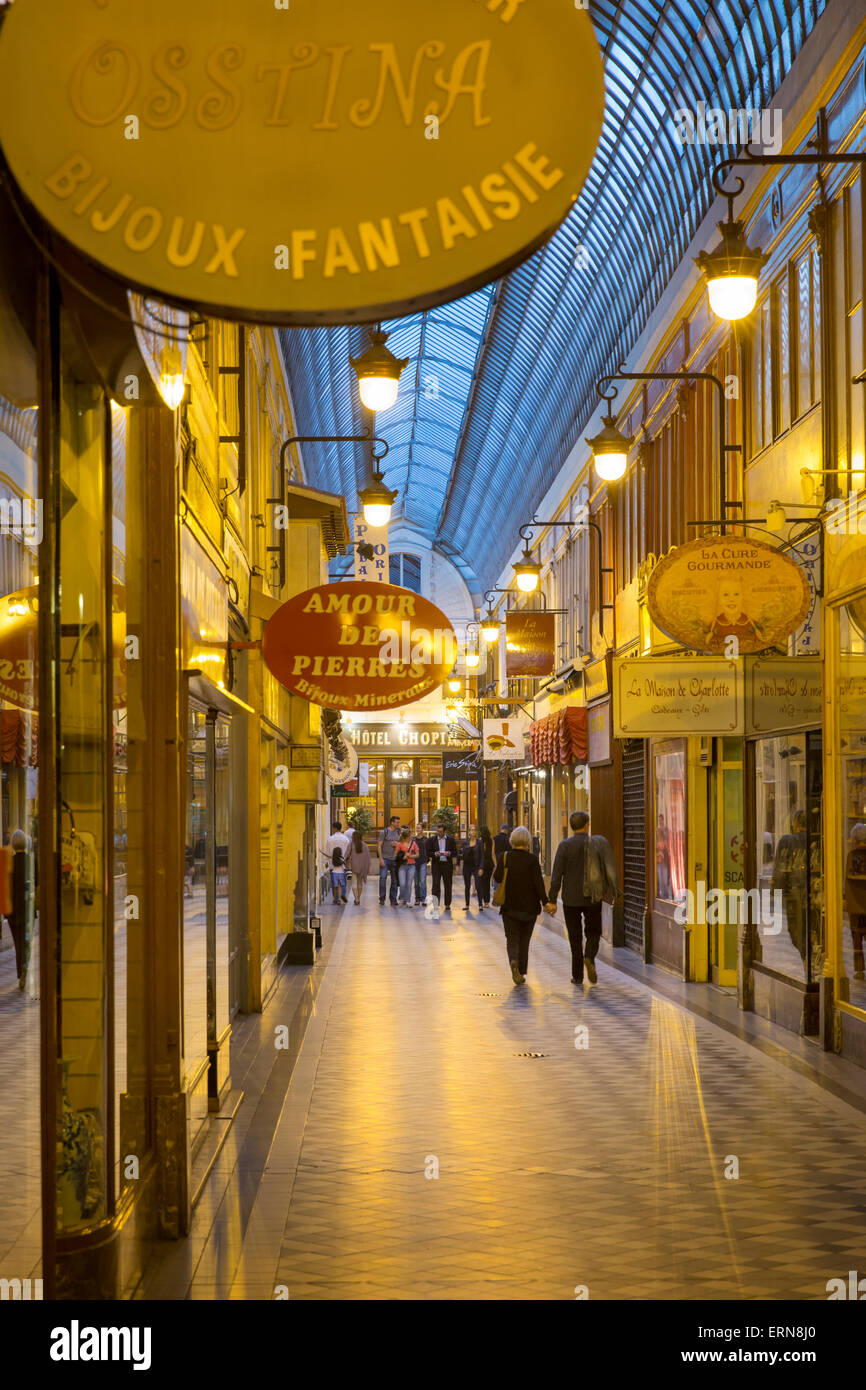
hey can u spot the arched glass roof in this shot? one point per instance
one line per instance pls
(500, 383)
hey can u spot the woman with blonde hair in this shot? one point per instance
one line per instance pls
(520, 896)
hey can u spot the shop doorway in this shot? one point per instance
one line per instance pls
(426, 801)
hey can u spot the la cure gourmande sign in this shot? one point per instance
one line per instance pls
(359, 646)
(301, 161)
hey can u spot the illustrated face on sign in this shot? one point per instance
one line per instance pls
(731, 605)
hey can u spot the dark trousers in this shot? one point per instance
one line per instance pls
(443, 874)
(484, 880)
(388, 876)
(517, 937)
(588, 915)
(471, 876)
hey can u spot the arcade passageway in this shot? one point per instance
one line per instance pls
(447, 1135)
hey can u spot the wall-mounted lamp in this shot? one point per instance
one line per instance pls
(527, 572)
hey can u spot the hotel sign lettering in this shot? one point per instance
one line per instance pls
(396, 738)
(309, 162)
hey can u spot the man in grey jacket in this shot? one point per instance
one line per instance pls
(585, 870)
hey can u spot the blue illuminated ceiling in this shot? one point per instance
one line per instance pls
(500, 384)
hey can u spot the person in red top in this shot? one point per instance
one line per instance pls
(405, 858)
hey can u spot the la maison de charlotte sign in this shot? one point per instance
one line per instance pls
(316, 161)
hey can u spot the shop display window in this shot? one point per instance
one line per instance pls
(670, 822)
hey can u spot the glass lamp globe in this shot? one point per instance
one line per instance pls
(732, 296)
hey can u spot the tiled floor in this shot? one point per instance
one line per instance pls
(420, 1154)
(20, 1194)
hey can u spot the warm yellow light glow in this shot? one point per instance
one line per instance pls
(17, 608)
(454, 685)
(490, 632)
(377, 514)
(610, 467)
(527, 582)
(472, 659)
(171, 383)
(732, 296)
(378, 392)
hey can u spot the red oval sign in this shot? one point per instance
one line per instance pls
(357, 646)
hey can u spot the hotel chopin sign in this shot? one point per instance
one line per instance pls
(316, 161)
(359, 646)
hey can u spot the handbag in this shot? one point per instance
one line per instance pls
(499, 895)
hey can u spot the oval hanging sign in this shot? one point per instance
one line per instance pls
(728, 595)
(359, 646)
(303, 162)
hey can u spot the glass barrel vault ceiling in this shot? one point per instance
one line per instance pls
(501, 383)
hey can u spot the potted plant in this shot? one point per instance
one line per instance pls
(447, 818)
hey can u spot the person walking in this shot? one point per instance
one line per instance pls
(387, 848)
(338, 836)
(421, 866)
(359, 863)
(500, 843)
(486, 865)
(585, 870)
(442, 853)
(338, 876)
(520, 899)
(405, 859)
(471, 855)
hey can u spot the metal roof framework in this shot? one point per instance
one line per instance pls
(501, 383)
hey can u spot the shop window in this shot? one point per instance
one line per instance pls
(670, 823)
(788, 853)
(853, 788)
(405, 570)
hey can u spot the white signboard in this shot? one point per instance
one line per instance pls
(345, 769)
(505, 739)
(376, 570)
(677, 695)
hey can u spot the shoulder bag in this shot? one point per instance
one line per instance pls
(499, 895)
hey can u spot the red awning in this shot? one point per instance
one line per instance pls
(560, 737)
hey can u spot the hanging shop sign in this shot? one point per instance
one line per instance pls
(728, 595)
(530, 644)
(343, 769)
(598, 719)
(396, 738)
(783, 693)
(460, 767)
(504, 740)
(676, 695)
(359, 646)
(426, 150)
(376, 570)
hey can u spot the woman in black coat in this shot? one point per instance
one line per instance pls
(486, 865)
(525, 895)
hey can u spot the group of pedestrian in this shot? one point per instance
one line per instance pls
(584, 874)
(405, 858)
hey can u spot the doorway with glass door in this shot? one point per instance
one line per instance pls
(209, 981)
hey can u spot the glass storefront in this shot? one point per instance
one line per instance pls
(852, 820)
(669, 776)
(788, 780)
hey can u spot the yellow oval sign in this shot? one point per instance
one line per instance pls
(308, 161)
(359, 646)
(728, 595)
